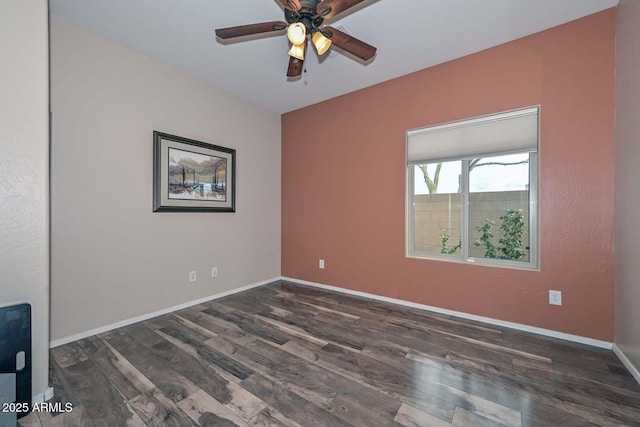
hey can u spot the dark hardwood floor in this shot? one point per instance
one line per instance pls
(288, 355)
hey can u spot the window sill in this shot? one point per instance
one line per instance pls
(477, 262)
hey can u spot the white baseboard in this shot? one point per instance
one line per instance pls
(43, 397)
(518, 326)
(126, 322)
(627, 363)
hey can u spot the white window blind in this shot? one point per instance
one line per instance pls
(496, 134)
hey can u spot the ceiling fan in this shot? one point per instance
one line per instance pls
(304, 20)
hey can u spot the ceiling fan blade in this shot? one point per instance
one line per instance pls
(291, 4)
(349, 44)
(328, 8)
(295, 67)
(247, 30)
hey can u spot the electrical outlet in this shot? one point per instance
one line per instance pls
(321, 263)
(214, 271)
(192, 276)
(555, 297)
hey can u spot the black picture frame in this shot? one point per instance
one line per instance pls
(192, 176)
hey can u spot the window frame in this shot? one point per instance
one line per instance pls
(463, 257)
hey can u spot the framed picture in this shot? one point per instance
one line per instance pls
(192, 176)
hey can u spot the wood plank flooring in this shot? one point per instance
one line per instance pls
(289, 355)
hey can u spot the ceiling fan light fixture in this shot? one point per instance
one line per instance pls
(297, 33)
(321, 42)
(304, 24)
(297, 51)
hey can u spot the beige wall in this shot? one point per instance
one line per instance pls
(113, 259)
(627, 205)
(24, 228)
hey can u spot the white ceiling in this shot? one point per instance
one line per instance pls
(410, 35)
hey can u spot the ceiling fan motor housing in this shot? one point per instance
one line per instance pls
(307, 15)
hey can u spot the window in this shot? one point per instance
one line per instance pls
(472, 190)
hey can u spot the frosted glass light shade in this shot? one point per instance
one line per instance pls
(321, 43)
(297, 51)
(297, 33)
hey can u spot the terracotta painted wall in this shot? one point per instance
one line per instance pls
(343, 185)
